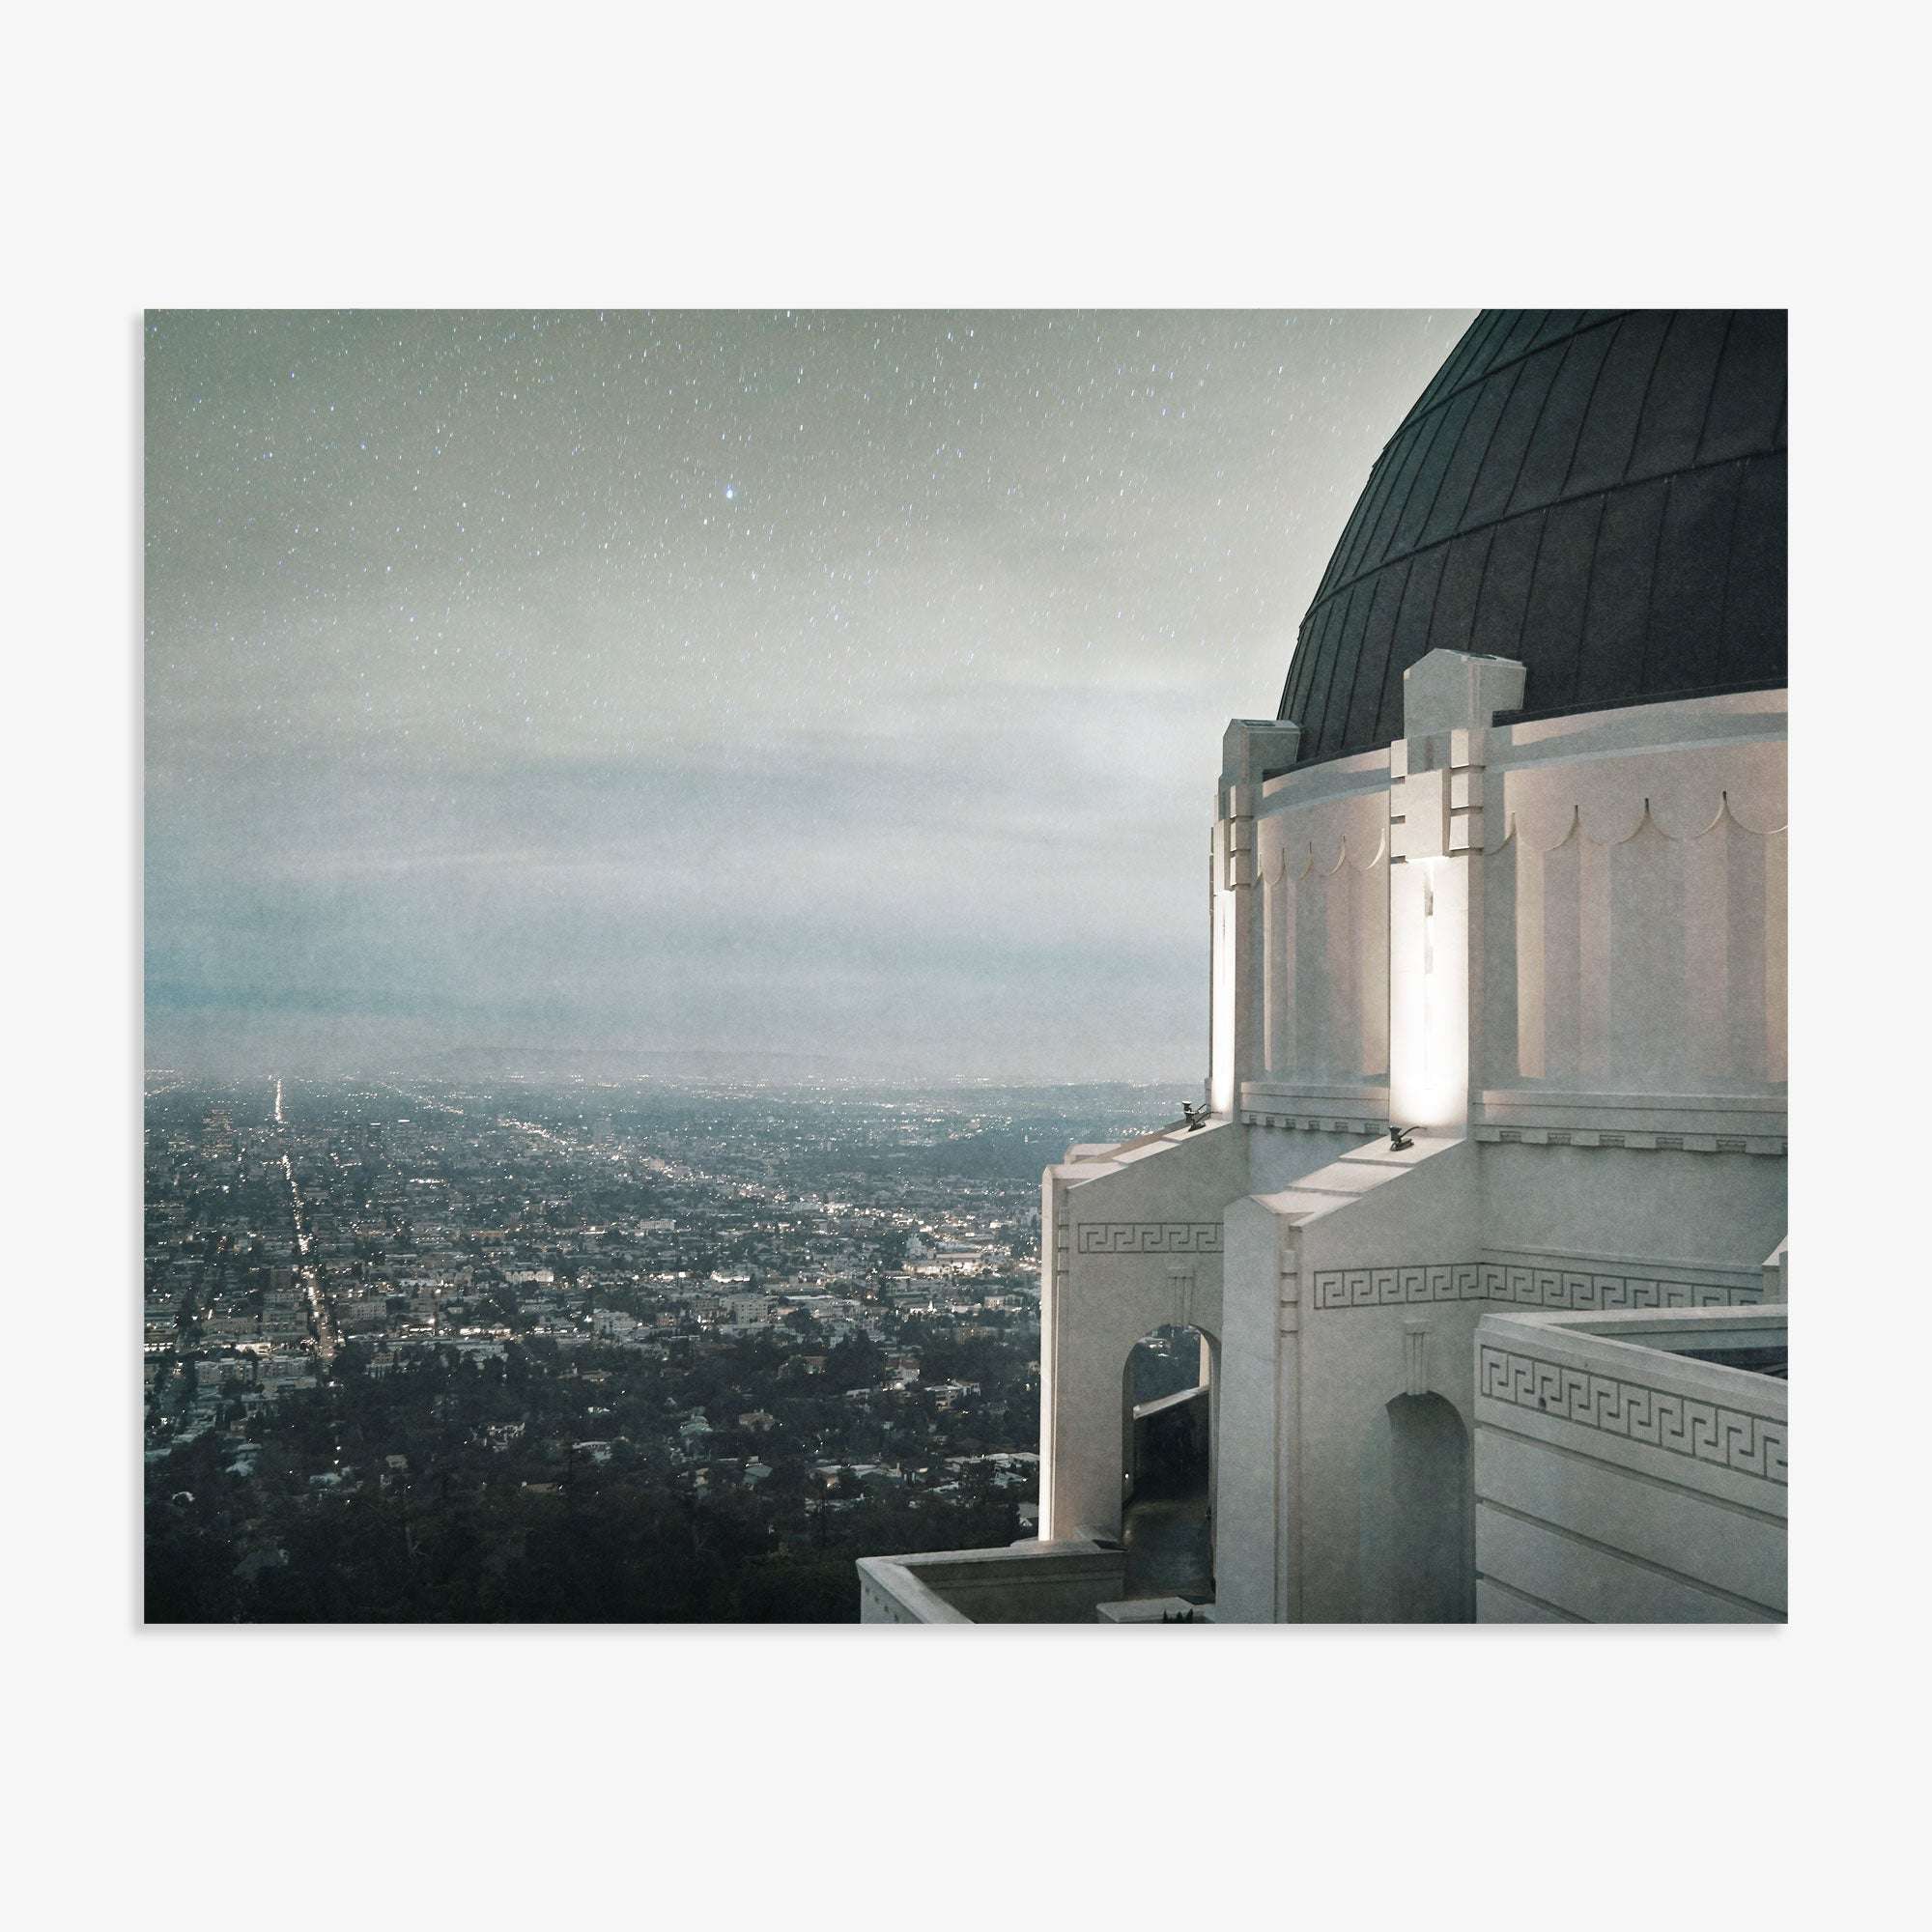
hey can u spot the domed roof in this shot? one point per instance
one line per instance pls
(1597, 493)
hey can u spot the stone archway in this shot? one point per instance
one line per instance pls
(1415, 1527)
(1167, 1462)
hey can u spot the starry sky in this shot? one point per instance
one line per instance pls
(840, 685)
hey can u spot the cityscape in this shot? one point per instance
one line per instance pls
(561, 1349)
(660, 829)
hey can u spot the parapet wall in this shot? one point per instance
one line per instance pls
(1062, 1582)
(1620, 1480)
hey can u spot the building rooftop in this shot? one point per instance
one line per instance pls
(1597, 493)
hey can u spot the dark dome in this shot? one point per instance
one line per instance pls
(1598, 493)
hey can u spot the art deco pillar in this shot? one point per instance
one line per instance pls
(1252, 750)
(1436, 854)
(1258, 1501)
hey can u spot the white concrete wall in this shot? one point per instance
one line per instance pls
(1635, 918)
(1278, 1157)
(1638, 1215)
(1353, 1287)
(1130, 1242)
(1388, 1273)
(1619, 1483)
(1251, 750)
(1560, 945)
(1324, 910)
(1259, 1414)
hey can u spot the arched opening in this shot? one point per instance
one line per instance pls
(1167, 1465)
(1417, 1566)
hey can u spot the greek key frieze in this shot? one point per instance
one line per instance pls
(1707, 1432)
(1148, 1237)
(1522, 1285)
(1531, 1287)
(1388, 1287)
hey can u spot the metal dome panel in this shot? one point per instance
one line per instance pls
(1599, 494)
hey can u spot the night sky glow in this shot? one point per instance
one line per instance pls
(846, 685)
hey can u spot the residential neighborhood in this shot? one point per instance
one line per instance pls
(779, 1325)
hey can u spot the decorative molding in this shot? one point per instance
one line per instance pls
(1062, 1240)
(1529, 1285)
(1772, 1106)
(1773, 1145)
(1616, 818)
(1695, 1123)
(1399, 1285)
(1293, 860)
(1415, 1358)
(1522, 1285)
(1436, 787)
(1252, 749)
(1183, 1281)
(1148, 1237)
(1327, 1108)
(1317, 1123)
(1707, 1432)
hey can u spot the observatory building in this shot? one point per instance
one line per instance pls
(1474, 1261)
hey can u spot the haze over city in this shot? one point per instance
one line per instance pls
(826, 690)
